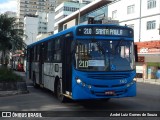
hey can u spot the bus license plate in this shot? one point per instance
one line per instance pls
(109, 93)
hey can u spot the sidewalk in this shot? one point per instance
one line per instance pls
(149, 81)
(18, 91)
(13, 92)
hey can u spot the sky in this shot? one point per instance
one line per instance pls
(8, 5)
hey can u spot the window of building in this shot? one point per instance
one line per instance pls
(151, 4)
(98, 14)
(151, 25)
(72, 9)
(130, 9)
(26, 2)
(34, 6)
(52, 9)
(114, 14)
(64, 26)
(26, 10)
(61, 17)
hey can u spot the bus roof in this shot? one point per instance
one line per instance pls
(53, 36)
(72, 29)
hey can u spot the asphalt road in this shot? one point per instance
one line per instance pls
(147, 99)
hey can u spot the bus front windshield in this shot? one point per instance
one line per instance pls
(104, 55)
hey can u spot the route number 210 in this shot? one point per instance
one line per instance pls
(83, 63)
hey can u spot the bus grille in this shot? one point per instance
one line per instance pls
(108, 76)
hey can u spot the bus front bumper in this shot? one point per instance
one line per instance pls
(82, 92)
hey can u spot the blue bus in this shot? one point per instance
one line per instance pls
(94, 61)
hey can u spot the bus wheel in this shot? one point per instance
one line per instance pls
(59, 94)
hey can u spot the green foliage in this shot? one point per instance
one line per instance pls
(10, 36)
(7, 75)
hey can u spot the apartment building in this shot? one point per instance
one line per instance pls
(30, 28)
(46, 22)
(10, 14)
(144, 17)
(32, 6)
(38, 26)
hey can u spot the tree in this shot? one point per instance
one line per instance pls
(10, 36)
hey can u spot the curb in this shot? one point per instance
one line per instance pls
(10, 93)
(155, 82)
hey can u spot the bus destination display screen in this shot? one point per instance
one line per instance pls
(106, 31)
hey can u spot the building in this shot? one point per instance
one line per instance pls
(148, 59)
(83, 1)
(67, 8)
(38, 26)
(32, 6)
(144, 17)
(10, 14)
(97, 9)
(41, 24)
(30, 28)
(46, 22)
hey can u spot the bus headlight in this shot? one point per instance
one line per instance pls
(130, 84)
(78, 80)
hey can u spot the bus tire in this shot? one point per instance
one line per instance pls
(59, 94)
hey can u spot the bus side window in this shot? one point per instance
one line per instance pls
(57, 49)
(45, 51)
(35, 53)
(42, 47)
(49, 51)
(38, 50)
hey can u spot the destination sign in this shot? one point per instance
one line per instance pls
(113, 31)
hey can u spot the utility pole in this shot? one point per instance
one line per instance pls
(79, 14)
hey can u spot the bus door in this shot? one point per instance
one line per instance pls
(67, 65)
(41, 63)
